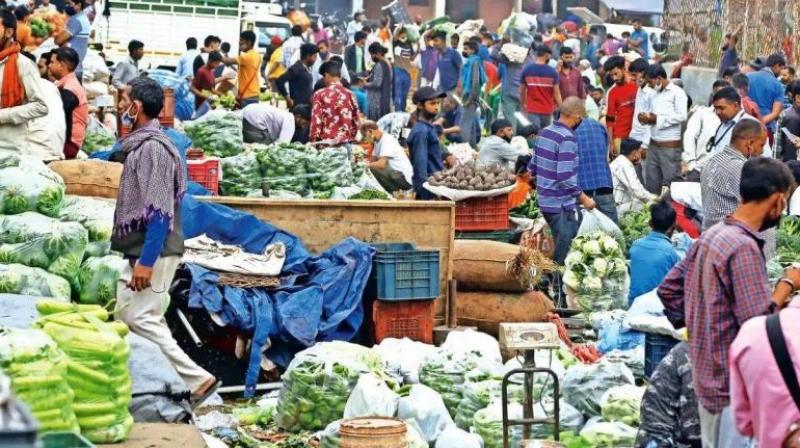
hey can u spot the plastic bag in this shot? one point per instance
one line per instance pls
(646, 314)
(445, 373)
(595, 221)
(403, 358)
(217, 133)
(98, 138)
(96, 216)
(35, 282)
(37, 369)
(609, 434)
(424, 408)
(569, 419)
(474, 342)
(596, 274)
(98, 279)
(622, 404)
(98, 373)
(371, 398)
(583, 386)
(318, 382)
(38, 241)
(615, 337)
(633, 358)
(26, 184)
(241, 175)
(488, 424)
(454, 437)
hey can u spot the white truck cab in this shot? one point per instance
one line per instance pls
(164, 25)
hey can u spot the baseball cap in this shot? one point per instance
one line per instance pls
(427, 93)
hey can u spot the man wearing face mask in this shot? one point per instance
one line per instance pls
(76, 34)
(570, 81)
(497, 148)
(669, 112)
(423, 141)
(147, 228)
(722, 283)
(791, 123)
(727, 105)
(390, 164)
(554, 167)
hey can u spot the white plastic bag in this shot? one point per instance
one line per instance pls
(687, 194)
(595, 221)
(371, 398)
(453, 437)
(646, 314)
(424, 408)
(404, 357)
(476, 342)
(609, 434)
(583, 386)
(622, 403)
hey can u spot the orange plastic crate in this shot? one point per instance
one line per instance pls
(405, 319)
(482, 214)
(205, 172)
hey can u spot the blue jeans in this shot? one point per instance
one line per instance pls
(605, 203)
(402, 84)
(564, 226)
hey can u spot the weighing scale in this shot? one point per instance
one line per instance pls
(527, 338)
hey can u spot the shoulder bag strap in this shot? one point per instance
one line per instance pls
(782, 356)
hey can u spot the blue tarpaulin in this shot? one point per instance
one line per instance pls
(319, 298)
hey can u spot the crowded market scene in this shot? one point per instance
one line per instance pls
(399, 224)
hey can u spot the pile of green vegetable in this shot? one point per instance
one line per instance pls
(217, 133)
(635, 225)
(40, 28)
(98, 139)
(38, 370)
(26, 184)
(488, 423)
(241, 175)
(98, 279)
(97, 370)
(226, 101)
(789, 240)
(305, 171)
(584, 386)
(529, 209)
(96, 216)
(319, 381)
(41, 242)
(369, 194)
(26, 281)
(622, 403)
(601, 434)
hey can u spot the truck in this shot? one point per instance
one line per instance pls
(164, 25)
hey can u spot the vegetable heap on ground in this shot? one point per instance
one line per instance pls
(472, 177)
(635, 225)
(38, 370)
(597, 272)
(97, 369)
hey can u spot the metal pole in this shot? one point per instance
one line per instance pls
(189, 329)
(452, 294)
(527, 410)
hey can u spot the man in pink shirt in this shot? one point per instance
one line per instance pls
(761, 402)
(76, 107)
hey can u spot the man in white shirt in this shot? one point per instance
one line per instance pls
(49, 133)
(629, 194)
(390, 164)
(670, 110)
(497, 149)
(644, 101)
(291, 48)
(355, 26)
(263, 123)
(185, 68)
(728, 106)
(700, 130)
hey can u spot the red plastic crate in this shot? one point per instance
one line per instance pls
(482, 214)
(205, 172)
(405, 319)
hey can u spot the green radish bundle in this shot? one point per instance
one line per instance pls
(38, 371)
(97, 368)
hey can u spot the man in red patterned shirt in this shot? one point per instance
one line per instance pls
(334, 110)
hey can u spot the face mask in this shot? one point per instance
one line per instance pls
(69, 10)
(567, 64)
(506, 138)
(465, 54)
(127, 119)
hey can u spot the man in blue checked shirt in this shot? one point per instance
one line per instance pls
(594, 172)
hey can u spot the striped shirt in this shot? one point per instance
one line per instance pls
(555, 168)
(719, 185)
(720, 284)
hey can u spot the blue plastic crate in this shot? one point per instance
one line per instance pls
(656, 347)
(402, 272)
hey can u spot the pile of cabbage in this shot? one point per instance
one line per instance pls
(27, 185)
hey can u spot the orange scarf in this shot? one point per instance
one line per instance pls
(12, 92)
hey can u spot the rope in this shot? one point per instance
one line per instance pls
(586, 353)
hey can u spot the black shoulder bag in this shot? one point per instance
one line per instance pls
(782, 356)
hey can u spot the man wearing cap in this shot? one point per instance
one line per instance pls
(423, 141)
(497, 149)
(275, 68)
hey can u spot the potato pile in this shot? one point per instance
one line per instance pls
(473, 178)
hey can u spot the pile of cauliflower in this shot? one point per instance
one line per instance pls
(596, 272)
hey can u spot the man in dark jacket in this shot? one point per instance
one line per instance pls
(299, 77)
(354, 54)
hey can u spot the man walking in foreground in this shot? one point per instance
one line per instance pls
(147, 229)
(723, 283)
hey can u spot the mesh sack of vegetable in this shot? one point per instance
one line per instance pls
(96, 216)
(98, 278)
(284, 169)
(488, 424)
(329, 168)
(38, 369)
(217, 133)
(445, 372)
(583, 385)
(98, 138)
(622, 404)
(241, 175)
(26, 184)
(596, 273)
(478, 395)
(319, 381)
(97, 370)
(35, 282)
(38, 241)
(570, 419)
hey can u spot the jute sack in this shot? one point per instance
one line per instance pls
(481, 266)
(89, 177)
(487, 310)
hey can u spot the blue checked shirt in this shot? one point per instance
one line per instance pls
(593, 169)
